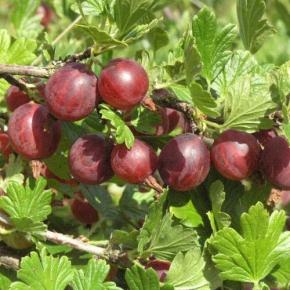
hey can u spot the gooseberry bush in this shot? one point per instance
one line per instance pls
(144, 144)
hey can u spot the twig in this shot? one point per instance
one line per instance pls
(15, 82)
(62, 239)
(79, 56)
(8, 259)
(165, 98)
(13, 69)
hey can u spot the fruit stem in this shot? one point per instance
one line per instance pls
(153, 183)
(212, 124)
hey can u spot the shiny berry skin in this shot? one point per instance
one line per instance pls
(45, 13)
(285, 198)
(176, 120)
(123, 83)
(71, 92)
(160, 266)
(83, 211)
(89, 159)
(33, 132)
(163, 126)
(235, 154)
(5, 147)
(184, 162)
(264, 136)
(275, 162)
(136, 164)
(15, 98)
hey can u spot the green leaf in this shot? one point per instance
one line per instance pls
(21, 51)
(213, 45)
(100, 37)
(240, 64)
(72, 131)
(138, 278)
(217, 196)
(160, 238)
(3, 87)
(182, 93)
(27, 207)
(247, 104)
(144, 120)
(125, 240)
(13, 172)
(192, 59)
(134, 204)
(23, 17)
(158, 38)
(39, 271)
(282, 81)
(99, 198)
(5, 41)
(123, 133)
(5, 280)
(282, 274)
(90, 7)
(252, 255)
(187, 272)
(58, 162)
(253, 27)
(284, 14)
(187, 214)
(93, 277)
(140, 30)
(286, 130)
(128, 13)
(203, 100)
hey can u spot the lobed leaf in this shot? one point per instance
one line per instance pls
(253, 254)
(253, 27)
(26, 207)
(40, 271)
(213, 45)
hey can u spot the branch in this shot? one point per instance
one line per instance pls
(79, 56)
(8, 259)
(61, 239)
(165, 98)
(13, 69)
(15, 82)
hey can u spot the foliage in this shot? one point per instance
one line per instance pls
(224, 62)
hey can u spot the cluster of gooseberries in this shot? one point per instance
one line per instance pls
(74, 91)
